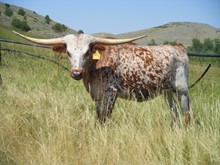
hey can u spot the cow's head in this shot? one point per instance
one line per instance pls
(76, 46)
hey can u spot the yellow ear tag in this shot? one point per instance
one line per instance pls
(96, 55)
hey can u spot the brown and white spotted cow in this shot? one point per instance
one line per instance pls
(137, 72)
(110, 69)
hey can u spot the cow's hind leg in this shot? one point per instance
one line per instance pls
(182, 91)
(106, 104)
(184, 100)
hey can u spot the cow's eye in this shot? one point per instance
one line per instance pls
(87, 53)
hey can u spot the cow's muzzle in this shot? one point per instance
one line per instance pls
(76, 74)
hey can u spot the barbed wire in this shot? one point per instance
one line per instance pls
(25, 43)
(60, 65)
(36, 56)
(49, 47)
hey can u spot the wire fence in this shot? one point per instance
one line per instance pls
(55, 62)
(44, 57)
(36, 56)
(65, 68)
(49, 47)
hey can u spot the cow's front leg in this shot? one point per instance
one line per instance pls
(185, 106)
(106, 104)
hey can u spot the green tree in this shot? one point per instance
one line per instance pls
(197, 46)
(47, 19)
(21, 12)
(166, 42)
(7, 5)
(59, 27)
(216, 43)
(208, 45)
(169, 43)
(8, 11)
(152, 42)
(80, 32)
(20, 24)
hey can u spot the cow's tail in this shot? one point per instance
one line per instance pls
(200, 76)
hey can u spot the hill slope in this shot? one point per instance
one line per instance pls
(181, 32)
(35, 21)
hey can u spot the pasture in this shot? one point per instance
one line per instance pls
(48, 118)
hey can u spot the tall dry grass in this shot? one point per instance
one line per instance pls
(46, 118)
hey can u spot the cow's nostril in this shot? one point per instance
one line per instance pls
(76, 73)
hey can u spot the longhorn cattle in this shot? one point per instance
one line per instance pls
(112, 68)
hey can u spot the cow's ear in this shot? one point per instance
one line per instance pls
(60, 48)
(100, 53)
(98, 47)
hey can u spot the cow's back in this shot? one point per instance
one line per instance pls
(145, 71)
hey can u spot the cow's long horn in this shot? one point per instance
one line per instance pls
(117, 41)
(52, 41)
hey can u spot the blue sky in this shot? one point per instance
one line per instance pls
(121, 16)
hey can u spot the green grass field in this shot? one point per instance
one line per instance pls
(47, 118)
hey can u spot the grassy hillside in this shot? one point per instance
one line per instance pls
(48, 118)
(35, 21)
(181, 32)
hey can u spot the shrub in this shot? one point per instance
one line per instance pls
(152, 42)
(21, 12)
(207, 46)
(80, 32)
(170, 43)
(196, 47)
(8, 11)
(47, 19)
(59, 28)
(7, 5)
(20, 24)
(217, 45)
